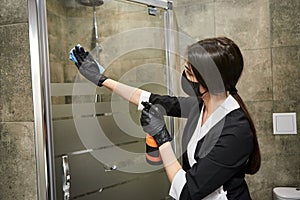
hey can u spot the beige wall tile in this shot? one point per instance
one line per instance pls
(245, 21)
(196, 19)
(255, 83)
(190, 2)
(57, 72)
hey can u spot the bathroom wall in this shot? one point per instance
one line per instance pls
(17, 151)
(268, 32)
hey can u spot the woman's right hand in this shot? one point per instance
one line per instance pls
(153, 123)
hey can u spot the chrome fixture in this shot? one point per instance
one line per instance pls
(155, 3)
(91, 3)
(152, 10)
(66, 177)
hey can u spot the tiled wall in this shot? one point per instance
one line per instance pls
(17, 151)
(268, 32)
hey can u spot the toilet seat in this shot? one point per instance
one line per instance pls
(286, 193)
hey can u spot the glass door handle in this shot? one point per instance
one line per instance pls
(66, 177)
(108, 169)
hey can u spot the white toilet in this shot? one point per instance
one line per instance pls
(286, 193)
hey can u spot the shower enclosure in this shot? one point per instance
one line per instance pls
(89, 144)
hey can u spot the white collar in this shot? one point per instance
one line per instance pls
(226, 107)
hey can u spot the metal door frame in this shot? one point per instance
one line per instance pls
(39, 57)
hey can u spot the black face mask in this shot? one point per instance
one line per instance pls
(189, 87)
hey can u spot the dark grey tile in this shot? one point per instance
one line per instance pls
(288, 168)
(13, 12)
(285, 22)
(16, 92)
(288, 107)
(17, 161)
(287, 144)
(280, 153)
(261, 114)
(286, 73)
(261, 184)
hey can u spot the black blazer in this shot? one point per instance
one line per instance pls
(224, 163)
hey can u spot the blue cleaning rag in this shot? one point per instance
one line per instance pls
(73, 58)
(71, 55)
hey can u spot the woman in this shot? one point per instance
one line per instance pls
(219, 140)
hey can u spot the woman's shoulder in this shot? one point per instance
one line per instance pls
(237, 124)
(237, 116)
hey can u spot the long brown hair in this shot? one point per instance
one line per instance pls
(223, 56)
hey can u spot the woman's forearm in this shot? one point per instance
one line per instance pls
(131, 94)
(171, 164)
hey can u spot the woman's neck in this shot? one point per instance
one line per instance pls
(211, 103)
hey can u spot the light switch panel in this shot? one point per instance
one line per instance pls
(284, 123)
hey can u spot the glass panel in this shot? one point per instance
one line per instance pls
(96, 133)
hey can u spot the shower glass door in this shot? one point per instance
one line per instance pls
(99, 145)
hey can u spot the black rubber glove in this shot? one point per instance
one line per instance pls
(88, 67)
(153, 123)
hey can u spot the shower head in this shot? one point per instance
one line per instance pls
(91, 3)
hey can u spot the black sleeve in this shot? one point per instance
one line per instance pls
(226, 158)
(174, 106)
